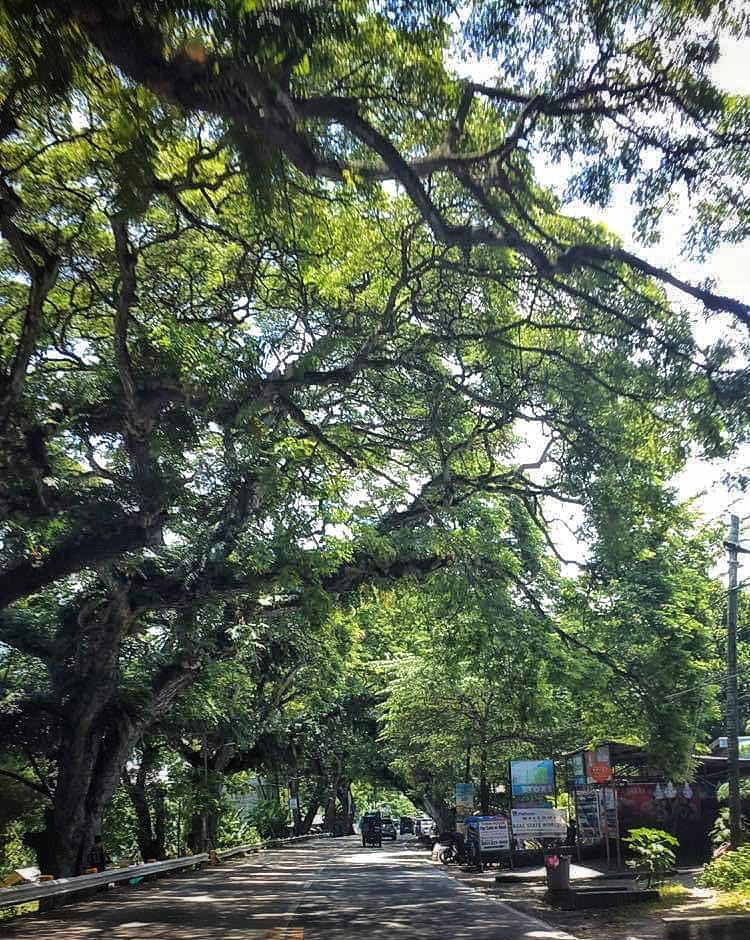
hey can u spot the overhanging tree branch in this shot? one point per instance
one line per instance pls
(244, 97)
(36, 787)
(87, 548)
(41, 266)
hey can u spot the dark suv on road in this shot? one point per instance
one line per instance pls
(388, 828)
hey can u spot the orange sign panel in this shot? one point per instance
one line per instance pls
(601, 772)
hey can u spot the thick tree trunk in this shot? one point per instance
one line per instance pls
(160, 823)
(88, 774)
(203, 830)
(438, 811)
(330, 823)
(149, 831)
(208, 771)
(97, 737)
(347, 802)
(312, 811)
(350, 814)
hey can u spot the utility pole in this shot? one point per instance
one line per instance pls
(204, 815)
(733, 719)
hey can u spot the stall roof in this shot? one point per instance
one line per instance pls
(711, 765)
(631, 754)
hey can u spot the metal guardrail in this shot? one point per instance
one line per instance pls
(258, 846)
(62, 886)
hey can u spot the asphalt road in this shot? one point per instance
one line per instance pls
(321, 890)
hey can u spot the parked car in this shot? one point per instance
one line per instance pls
(424, 828)
(389, 830)
(406, 825)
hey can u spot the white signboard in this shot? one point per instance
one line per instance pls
(539, 823)
(494, 834)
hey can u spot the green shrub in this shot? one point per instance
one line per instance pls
(720, 831)
(234, 830)
(271, 819)
(728, 872)
(654, 853)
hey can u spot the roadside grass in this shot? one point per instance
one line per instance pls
(733, 902)
(8, 913)
(670, 896)
(672, 893)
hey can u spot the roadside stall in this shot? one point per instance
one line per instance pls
(614, 788)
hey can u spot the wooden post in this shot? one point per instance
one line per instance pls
(617, 825)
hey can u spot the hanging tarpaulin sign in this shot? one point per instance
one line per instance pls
(539, 823)
(494, 833)
(464, 805)
(578, 770)
(532, 780)
(589, 819)
(464, 799)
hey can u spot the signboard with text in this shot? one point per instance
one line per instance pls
(531, 781)
(640, 805)
(601, 772)
(609, 809)
(589, 819)
(539, 823)
(494, 834)
(598, 759)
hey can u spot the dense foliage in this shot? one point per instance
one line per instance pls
(296, 360)
(728, 872)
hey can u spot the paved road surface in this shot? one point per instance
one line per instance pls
(321, 890)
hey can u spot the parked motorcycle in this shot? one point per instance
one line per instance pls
(454, 849)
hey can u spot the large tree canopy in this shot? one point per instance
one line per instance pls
(345, 93)
(282, 300)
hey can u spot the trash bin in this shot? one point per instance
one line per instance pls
(558, 871)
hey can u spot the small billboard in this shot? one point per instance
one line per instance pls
(532, 780)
